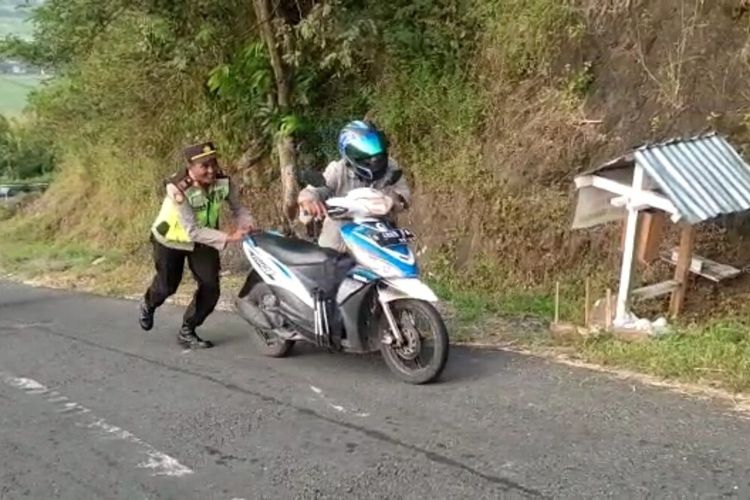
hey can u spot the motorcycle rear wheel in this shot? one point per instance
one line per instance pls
(268, 342)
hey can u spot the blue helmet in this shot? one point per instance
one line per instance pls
(365, 149)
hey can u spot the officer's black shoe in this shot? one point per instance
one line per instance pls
(190, 340)
(146, 316)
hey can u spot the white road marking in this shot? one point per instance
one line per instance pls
(23, 326)
(336, 407)
(160, 463)
(28, 385)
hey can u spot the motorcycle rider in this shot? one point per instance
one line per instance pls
(364, 162)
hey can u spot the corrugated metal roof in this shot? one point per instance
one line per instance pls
(704, 177)
(619, 162)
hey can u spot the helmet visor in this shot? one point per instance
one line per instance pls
(372, 167)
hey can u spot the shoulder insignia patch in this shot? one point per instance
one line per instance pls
(182, 182)
(174, 193)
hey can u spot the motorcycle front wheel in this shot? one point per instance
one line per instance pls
(422, 356)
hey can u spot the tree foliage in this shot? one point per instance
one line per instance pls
(139, 78)
(23, 152)
(161, 70)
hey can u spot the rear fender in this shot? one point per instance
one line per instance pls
(252, 278)
(274, 273)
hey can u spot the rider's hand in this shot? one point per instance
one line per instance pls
(314, 208)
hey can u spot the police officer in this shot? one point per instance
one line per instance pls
(187, 228)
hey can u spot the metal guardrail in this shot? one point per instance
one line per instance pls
(11, 189)
(24, 185)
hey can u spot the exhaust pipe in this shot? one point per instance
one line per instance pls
(253, 314)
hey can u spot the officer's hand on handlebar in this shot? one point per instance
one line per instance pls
(314, 208)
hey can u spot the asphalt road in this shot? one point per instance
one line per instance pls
(91, 407)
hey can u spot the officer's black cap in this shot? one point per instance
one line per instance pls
(200, 153)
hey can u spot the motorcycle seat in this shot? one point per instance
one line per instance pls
(294, 251)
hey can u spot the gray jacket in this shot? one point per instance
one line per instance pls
(340, 180)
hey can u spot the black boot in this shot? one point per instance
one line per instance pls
(190, 340)
(146, 316)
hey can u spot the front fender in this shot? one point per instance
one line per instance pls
(407, 288)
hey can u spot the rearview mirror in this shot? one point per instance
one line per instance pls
(307, 176)
(394, 177)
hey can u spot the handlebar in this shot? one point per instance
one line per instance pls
(331, 211)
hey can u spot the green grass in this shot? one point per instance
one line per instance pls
(14, 90)
(716, 354)
(474, 305)
(35, 258)
(5, 212)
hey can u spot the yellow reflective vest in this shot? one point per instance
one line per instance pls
(206, 206)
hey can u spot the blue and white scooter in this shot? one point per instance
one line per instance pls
(367, 300)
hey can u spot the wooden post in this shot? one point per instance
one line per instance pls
(587, 305)
(651, 229)
(682, 271)
(628, 254)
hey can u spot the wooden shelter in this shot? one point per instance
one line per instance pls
(688, 180)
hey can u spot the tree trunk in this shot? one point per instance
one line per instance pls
(253, 153)
(284, 142)
(287, 164)
(265, 20)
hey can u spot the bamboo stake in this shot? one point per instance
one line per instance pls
(608, 310)
(557, 302)
(587, 304)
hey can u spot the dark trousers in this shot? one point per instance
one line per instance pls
(205, 265)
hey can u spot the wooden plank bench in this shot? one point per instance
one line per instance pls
(655, 290)
(707, 268)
